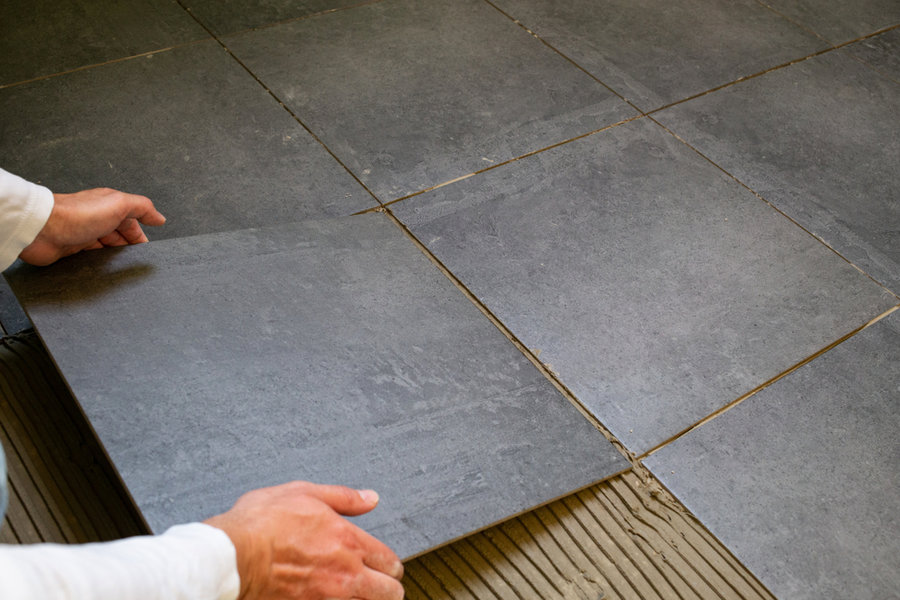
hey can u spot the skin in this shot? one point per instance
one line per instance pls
(91, 219)
(292, 541)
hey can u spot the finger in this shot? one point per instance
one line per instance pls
(113, 239)
(131, 232)
(142, 209)
(377, 556)
(343, 500)
(378, 586)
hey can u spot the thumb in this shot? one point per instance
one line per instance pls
(343, 500)
(142, 209)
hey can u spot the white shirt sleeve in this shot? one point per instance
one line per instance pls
(24, 210)
(187, 562)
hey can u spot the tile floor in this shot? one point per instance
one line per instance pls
(674, 205)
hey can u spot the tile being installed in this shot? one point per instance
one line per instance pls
(820, 140)
(43, 37)
(656, 53)
(881, 52)
(189, 128)
(657, 288)
(800, 480)
(229, 16)
(413, 94)
(331, 351)
(839, 21)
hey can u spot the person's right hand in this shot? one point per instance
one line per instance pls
(293, 544)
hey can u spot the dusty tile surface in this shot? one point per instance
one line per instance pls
(696, 44)
(657, 287)
(412, 94)
(881, 52)
(800, 480)
(331, 351)
(188, 128)
(229, 16)
(839, 21)
(820, 140)
(43, 37)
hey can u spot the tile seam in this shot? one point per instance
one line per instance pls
(768, 383)
(774, 207)
(281, 103)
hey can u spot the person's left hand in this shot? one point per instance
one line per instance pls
(91, 219)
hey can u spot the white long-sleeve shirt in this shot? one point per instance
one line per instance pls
(187, 562)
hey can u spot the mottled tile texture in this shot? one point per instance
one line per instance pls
(229, 16)
(658, 288)
(43, 37)
(327, 351)
(839, 21)
(820, 140)
(683, 47)
(189, 128)
(412, 94)
(801, 479)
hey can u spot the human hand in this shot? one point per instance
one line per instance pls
(293, 544)
(88, 220)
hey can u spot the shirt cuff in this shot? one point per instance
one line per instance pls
(26, 207)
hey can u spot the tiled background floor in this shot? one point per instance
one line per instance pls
(668, 251)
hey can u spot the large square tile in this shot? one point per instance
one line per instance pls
(43, 37)
(331, 351)
(413, 94)
(801, 480)
(839, 21)
(881, 52)
(229, 16)
(820, 140)
(189, 128)
(655, 53)
(657, 288)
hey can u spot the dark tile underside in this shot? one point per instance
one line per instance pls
(329, 351)
(658, 288)
(801, 480)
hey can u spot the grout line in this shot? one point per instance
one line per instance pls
(101, 64)
(575, 64)
(506, 162)
(771, 381)
(554, 379)
(773, 206)
(279, 101)
(775, 68)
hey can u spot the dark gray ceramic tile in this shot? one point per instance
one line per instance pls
(881, 52)
(190, 129)
(820, 140)
(12, 318)
(228, 16)
(412, 94)
(800, 480)
(329, 351)
(42, 37)
(839, 21)
(657, 287)
(655, 54)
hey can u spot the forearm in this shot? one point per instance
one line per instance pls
(24, 210)
(188, 562)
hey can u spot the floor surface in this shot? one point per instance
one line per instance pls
(672, 205)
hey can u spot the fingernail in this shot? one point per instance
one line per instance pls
(370, 496)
